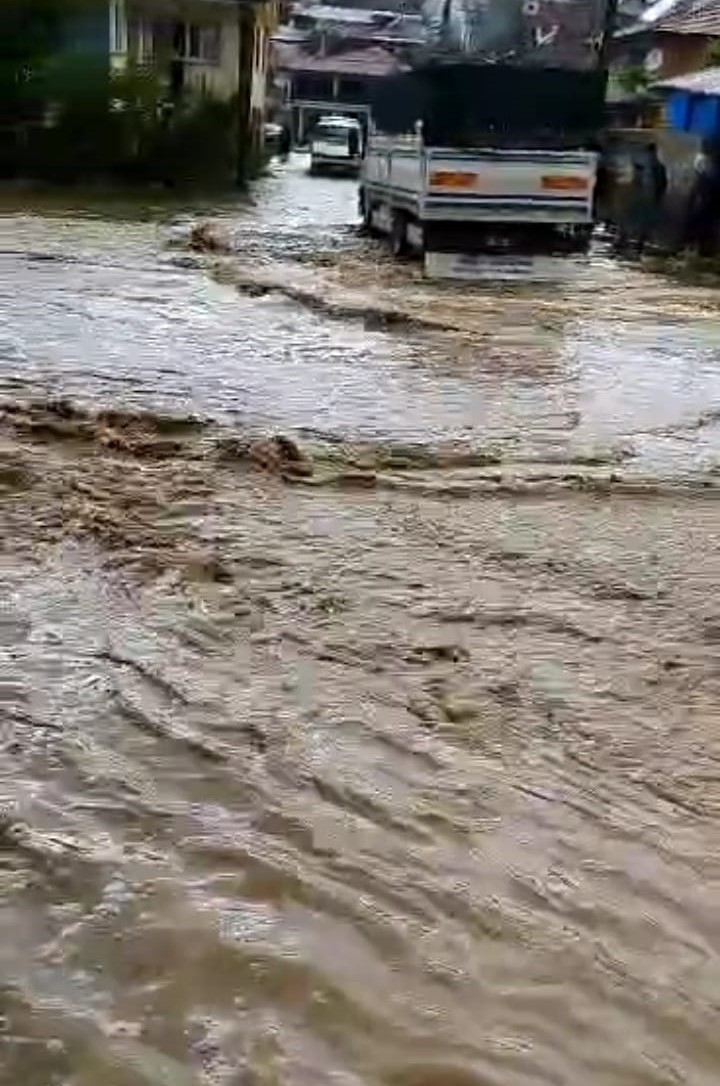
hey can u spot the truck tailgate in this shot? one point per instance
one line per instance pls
(509, 185)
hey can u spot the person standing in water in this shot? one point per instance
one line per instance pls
(648, 188)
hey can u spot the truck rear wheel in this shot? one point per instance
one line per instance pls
(368, 226)
(398, 235)
(583, 238)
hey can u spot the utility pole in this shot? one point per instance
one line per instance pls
(246, 51)
(609, 26)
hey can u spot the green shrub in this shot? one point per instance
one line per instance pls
(121, 129)
(194, 144)
(65, 118)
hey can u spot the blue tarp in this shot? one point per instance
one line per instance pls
(696, 113)
(679, 111)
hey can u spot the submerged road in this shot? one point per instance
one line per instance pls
(385, 754)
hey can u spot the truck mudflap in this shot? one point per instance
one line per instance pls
(506, 267)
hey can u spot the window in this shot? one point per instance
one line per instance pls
(352, 90)
(331, 133)
(201, 43)
(118, 27)
(145, 40)
(258, 49)
(317, 87)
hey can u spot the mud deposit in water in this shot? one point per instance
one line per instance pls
(352, 745)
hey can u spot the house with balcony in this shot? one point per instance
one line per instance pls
(329, 59)
(340, 82)
(670, 38)
(667, 38)
(214, 48)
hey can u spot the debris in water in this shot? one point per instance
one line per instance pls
(277, 455)
(205, 238)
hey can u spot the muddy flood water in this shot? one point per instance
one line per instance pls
(359, 661)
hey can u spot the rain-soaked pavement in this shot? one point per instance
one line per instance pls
(384, 753)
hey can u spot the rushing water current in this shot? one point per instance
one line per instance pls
(383, 751)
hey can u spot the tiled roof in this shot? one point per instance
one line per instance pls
(365, 24)
(329, 13)
(683, 17)
(692, 17)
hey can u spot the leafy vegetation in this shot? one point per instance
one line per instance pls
(67, 118)
(633, 80)
(712, 57)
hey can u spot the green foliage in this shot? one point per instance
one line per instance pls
(31, 29)
(31, 33)
(633, 80)
(197, 146)
(123, 129)
(66, 118)
(712, 57)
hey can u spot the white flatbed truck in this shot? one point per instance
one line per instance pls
(521, 208)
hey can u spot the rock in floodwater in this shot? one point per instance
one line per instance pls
(206, 238)
(460, 711)
(277, 455)
(426, 710)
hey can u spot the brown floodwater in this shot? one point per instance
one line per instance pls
(383, 751)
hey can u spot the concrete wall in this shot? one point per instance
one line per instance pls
(677, 151)
(267, 20)
(221, 79)
(258, 83)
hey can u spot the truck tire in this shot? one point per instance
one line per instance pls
(583, 237)
(365, 209)
(398, 235)
(369, 229)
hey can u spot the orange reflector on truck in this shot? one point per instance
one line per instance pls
(564, 183)
(452, 179)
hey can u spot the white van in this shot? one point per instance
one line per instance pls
(336, 146)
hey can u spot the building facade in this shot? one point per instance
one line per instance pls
(337, 83)
(669, 40)
(214, 48)
(329, 59)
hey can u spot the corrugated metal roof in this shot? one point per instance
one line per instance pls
(328, 13)
(705, 82)
(657, 11)
(370, 61)
(375, 23)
